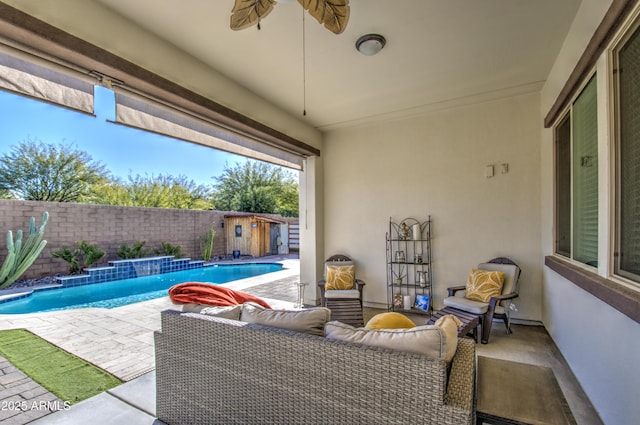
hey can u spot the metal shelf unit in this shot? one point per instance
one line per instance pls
(409, 277)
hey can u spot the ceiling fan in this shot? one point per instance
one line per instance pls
(333, 14)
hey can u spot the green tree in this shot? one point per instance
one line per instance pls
(288, 202)
(162, 191)
(36, 171)
(111, 191)
(256, 187)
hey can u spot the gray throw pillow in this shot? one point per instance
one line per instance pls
(311, 320)
(228, 312)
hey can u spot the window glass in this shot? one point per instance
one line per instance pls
(628, 244)
(585, 176)
(563, 187)
(576, 159)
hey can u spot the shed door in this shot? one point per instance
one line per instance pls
(275, 236)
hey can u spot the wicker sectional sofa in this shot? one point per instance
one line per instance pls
(213, 370)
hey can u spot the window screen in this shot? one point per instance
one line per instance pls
(32, 76)
(232, 131)
(628, 260)
(585, 176)
(152, 115)
(576, 179)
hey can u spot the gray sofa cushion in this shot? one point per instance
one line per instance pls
(428, 340)
(228, 312)
(311, 320)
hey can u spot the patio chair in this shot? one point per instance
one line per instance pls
(497, 306)
(340, 291)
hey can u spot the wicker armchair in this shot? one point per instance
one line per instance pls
(497, 306)
(345, 304)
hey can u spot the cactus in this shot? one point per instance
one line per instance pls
(20, 256)
(206, 243)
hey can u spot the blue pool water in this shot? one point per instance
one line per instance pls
(128, 291)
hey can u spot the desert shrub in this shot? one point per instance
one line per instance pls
(136, 251)
(83, 256)
(167, 248)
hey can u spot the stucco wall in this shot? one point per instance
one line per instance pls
(600, 344)
(435, 164)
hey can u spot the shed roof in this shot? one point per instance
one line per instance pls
(257, 216)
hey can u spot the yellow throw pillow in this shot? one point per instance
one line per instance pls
(484, 284)
(391, 320)
(450, 324)
(340, 277)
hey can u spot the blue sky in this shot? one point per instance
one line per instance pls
(122, 149)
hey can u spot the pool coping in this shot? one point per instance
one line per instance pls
(14, 294)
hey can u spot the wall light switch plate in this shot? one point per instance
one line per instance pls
(488, 171)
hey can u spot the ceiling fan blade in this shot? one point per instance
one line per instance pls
(333, 14)
(249, 12)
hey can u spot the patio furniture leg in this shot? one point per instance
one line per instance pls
(487, 320)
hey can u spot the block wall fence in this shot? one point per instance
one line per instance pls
(108, 227)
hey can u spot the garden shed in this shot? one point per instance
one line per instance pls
(254, 234)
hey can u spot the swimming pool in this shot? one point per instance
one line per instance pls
(128, 291)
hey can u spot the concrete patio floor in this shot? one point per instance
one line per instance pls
(121, 341)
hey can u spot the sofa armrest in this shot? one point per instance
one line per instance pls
(453, 289)
(494, 301)
(461, 385)
(360, 286)
(321, 284)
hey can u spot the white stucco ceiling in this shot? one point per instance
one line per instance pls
(437, 50)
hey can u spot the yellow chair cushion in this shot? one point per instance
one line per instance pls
(391, 320)
(484, 284)
(340, 277)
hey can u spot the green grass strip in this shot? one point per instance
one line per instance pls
(70, 378)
